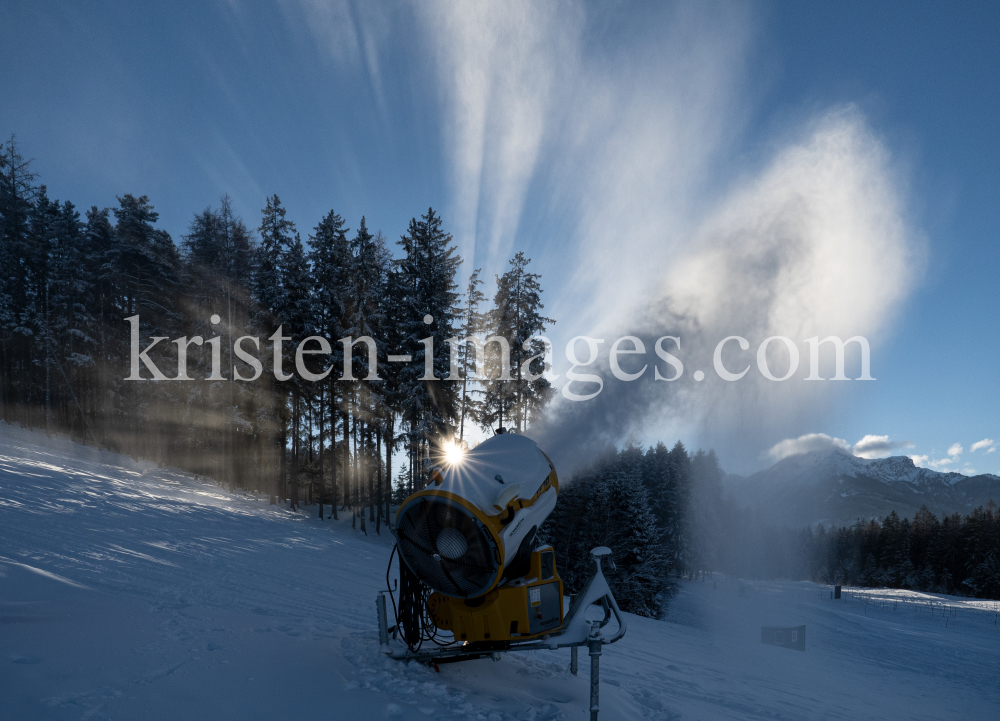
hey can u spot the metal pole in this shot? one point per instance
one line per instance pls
(595, 674)
(383, 621)
(574, 665)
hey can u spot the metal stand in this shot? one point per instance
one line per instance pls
(576, 631)
(594, 643)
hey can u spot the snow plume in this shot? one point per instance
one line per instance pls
(611, 147)
(605, 148)
(815, 244)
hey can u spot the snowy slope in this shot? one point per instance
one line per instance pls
(128, 591)
(837, 488)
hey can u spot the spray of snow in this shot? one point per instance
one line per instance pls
(612, 150)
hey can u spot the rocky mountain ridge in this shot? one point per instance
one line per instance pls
(836, 488)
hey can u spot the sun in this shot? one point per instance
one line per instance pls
(453, 453)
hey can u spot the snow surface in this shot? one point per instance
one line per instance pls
(132, 592)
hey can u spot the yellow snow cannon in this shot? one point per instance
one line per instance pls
(469, 567)
(470, 536)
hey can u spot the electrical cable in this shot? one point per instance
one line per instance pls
(413, 619)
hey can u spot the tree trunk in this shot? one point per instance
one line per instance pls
(378, 500)
(333, 458)
(354, 475)
(374, 465)
(346, 418)
(322, 440)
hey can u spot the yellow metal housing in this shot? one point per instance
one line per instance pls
(521, 610)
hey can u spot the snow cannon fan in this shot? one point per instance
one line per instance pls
(470, 537)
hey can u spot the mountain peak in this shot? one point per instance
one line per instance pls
(834, 486)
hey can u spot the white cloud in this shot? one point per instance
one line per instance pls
(349, 33)
(877, 446)
(942, 463)
(988, 443)
(947, 464)
(869, 447)
(805, 444)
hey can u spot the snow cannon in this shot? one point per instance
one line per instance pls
(471, 537)
(473, 579)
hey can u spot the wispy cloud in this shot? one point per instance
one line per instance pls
(925, 461)
(348, 33)
(987, 443)
(505, 71)
(878, 446)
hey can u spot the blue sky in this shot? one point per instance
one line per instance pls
(625, 148)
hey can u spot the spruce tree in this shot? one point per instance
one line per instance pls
(429, 265)
(297, 320)
(17, 197)
(331, 263)
(516, 316)
(473, 320)
(678, 528)
(640, 574)
(705, 508)
(270, 302)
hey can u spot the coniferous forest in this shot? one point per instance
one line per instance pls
(79, 290)
(955, 554)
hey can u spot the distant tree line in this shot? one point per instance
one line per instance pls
(69, 282)
(956, 554)
(650, 508)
